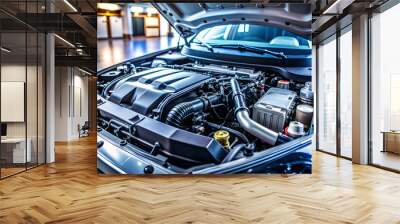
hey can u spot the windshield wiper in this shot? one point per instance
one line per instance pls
(257, 50)
(242, 47)
(204, 44)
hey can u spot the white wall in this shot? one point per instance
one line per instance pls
(116, 26)
(102, 27)
(10, 73)
(61, 103)
(71, 95)
(80, 110)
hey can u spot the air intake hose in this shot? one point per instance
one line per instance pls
(242, 115)
(178, 114)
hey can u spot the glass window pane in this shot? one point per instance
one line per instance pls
(253, 35)
(13, 86)
(327, 96)
(346, 94)
(22, 88)
(385, 84)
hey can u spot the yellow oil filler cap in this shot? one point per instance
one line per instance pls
(222, 137)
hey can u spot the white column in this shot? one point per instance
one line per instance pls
(50, 98)
(314, 85)
(127, 21)
(50, 91)
(360, 90)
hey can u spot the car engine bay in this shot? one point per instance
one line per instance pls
(186, 114)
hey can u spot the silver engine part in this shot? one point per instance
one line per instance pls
(296, 129)
(304, 114)
(306, 94)
(274, 108)
(243, 117)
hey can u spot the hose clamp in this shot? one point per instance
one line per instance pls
(241, 108)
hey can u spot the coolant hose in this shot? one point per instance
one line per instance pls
(246, 148)
(233, 152)
(242, 115)
(179, 113)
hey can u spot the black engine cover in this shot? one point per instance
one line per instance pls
(143, 91)
(178, 143)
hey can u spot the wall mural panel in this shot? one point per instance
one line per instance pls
(235, 96)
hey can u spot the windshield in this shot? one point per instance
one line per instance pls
(252, 35)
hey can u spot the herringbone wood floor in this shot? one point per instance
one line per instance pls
(70, 191)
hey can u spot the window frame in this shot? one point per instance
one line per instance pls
(334, 37)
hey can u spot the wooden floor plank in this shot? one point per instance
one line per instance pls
(71, 191)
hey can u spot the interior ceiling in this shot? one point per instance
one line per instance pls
(79, 28)
(75, 26)
(330, 15)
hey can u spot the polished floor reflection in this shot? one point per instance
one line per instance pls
(386, 159)
(110, 52)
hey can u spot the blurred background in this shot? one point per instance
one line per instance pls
(125, 31)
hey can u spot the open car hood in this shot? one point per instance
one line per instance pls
(190, 18)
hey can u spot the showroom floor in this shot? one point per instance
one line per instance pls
(110, 52)
(71, 191)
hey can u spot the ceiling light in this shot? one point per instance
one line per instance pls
(136, 9)
(5, 50)
(108, 6)
(64, 40)
(79, 51)
(70, 5)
